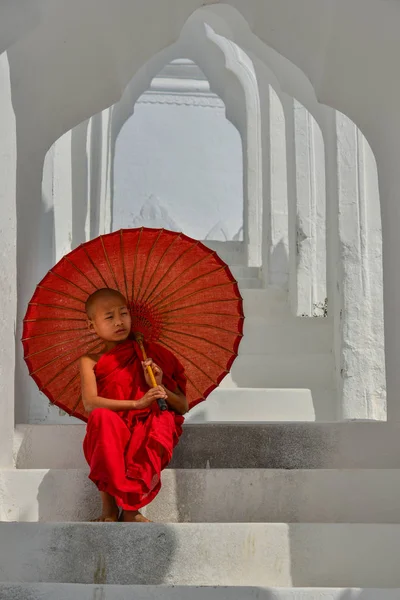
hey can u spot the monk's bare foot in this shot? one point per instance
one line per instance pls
(106, 519)
(133, 516)
(110, 510)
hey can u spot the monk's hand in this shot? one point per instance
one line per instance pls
(151, 396)
(158, 374)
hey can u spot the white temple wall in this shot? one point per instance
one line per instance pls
(8, 263)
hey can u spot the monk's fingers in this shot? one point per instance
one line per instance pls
(149, 362)
(161, 391)
(157, 370)
(157, 392)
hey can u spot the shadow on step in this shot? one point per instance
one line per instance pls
(151, 556)
(70, 498)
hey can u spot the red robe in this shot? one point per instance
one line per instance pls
(127, 450)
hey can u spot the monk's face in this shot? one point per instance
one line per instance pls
(111, 319)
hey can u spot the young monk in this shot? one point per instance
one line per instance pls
(129, 440)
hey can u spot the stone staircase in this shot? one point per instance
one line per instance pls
(260, 507)
(268, 510)
(281, 351)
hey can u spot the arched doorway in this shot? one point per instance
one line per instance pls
(178, 161)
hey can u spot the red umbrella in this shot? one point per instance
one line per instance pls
(181, 295)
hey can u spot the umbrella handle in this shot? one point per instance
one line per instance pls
(161, 402)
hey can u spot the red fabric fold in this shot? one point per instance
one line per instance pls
(127, 450)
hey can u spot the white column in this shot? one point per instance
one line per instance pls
(8, 264)
(306, 206)
(276, 254)
(95, 133)
(358, 272)
(79, 182)
(62, 195)
(106, 173)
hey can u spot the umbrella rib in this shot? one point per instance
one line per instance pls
(135, 264)
(189, 268)
(186, 284)
(176, 238)
(210, 287)
(121, 239)
(60, 306)
(167, 337)
(70, 296)
(68, 366)
(57, 345)
(203, 303)
(39, 335)
(68, 281)
(191, 362)
(169, 269)
(147, 262)
(95, 267)
(206, 314)
(109, 264)
(186, 375)
(197, 337)
(205, 325)
(80, 271)
(76, 405)
(53, 319)
(195, 387)
(59, 357)
(70, 382)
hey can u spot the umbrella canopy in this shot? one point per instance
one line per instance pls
(180, 294)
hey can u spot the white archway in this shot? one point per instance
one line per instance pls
(232, 77)
(178, 161)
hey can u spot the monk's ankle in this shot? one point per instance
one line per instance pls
(133, 516)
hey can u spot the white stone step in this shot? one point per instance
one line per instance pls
(352, 445)
(76, 591)
(243, 272)
(299, 404)
(272, 303)
(309, 371)
(289, 336)
(232, 404)
(249, 284)
(233, 253)
(211, 496)
(252, 405)
(255, 554)
(269, 303)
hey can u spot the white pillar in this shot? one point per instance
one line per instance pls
(100, 150)
(62, 195)
(8, 264)
(357, 304)
(275, 221)
(95, 133)
(79, 183)
(306, 206)
(106, 182)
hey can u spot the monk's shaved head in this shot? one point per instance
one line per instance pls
(102, 294)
